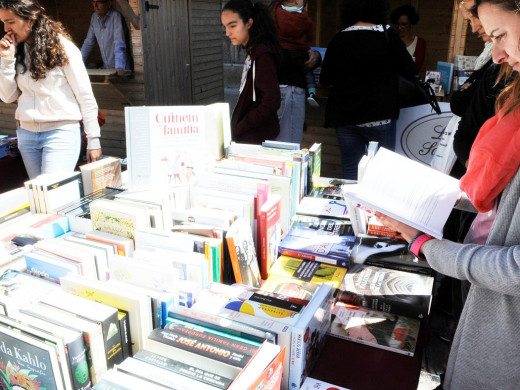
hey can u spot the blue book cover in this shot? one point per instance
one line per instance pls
(50, 267)
(320, 245)
(446, 69)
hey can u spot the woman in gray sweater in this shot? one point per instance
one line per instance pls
(486, 349)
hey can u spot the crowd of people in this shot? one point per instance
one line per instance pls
(45, 73)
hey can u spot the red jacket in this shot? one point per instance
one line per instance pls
(295, 29)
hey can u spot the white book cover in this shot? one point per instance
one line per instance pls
(406, 190)
(168, 145)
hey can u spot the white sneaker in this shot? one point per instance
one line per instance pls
(312, 100)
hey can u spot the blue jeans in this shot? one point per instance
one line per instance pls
(353, 141)
(310, 79)
(49, 151)
(291, 114)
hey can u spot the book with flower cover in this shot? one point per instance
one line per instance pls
(375, 328)
(28, 362)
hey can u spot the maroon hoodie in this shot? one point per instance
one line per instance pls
(255, 116)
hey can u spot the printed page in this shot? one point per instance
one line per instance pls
(407, 190)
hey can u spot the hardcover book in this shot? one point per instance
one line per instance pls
(388, 290)
(242, 252)
(169, 145)
(101, 173)
(28, 362)
(269, 233)
(375, 328)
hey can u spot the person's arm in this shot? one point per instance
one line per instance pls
(79, 82)
(267, 93)
(420, 52)
(9, 91)
(119, 42)
(89, 42)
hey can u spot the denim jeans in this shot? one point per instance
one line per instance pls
(49, 151)
(310, 79)
(353, 141)
(291, 114)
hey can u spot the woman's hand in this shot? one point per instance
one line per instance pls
(407, 232)
(93, 155)
(7, 46)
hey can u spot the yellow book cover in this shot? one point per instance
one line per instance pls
(308, 271)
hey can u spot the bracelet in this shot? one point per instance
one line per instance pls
(417, 243)
(413, 239)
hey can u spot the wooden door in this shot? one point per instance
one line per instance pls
(166, 51)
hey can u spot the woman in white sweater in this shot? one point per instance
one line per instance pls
(42, 69)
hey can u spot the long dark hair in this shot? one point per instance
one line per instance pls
(509, 98)
(44, 47)
(262, 30)
(370, 11)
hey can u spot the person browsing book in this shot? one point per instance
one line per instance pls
(362, 65)
(484, 352)
(249, 25)
(42, 69)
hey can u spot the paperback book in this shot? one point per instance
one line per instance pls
(375, 328)
(388, 290)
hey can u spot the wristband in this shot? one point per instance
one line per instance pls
(416, 244)
(413, 239)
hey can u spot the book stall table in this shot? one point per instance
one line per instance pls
(362, 367)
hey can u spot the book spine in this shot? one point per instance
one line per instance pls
(308, 256)
(186, 370)
(205, 342)
(78, 365)
(234, 259)
(215, 322)
(112, 340)
(124, 327)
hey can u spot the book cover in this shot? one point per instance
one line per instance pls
(316, 384)
(242, 252)
(101, 173)
(169, 145)
(329, 192)
(70, 346)
(118, 218)
(324, 226)
(308, 271)
(269, 233)
(58, 189)
(124, 245)
(388, 290)
(320, 245)
(375, 328)
(446, 71)
(430, 197)
(28, 362)
(50, 267)
(388, 252)
(290, 287)
(322, 207)
(308, 335)
(376, 228)
(124, 327)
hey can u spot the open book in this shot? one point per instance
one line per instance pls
(406, 190)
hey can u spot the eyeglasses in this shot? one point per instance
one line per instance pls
(402, 24)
